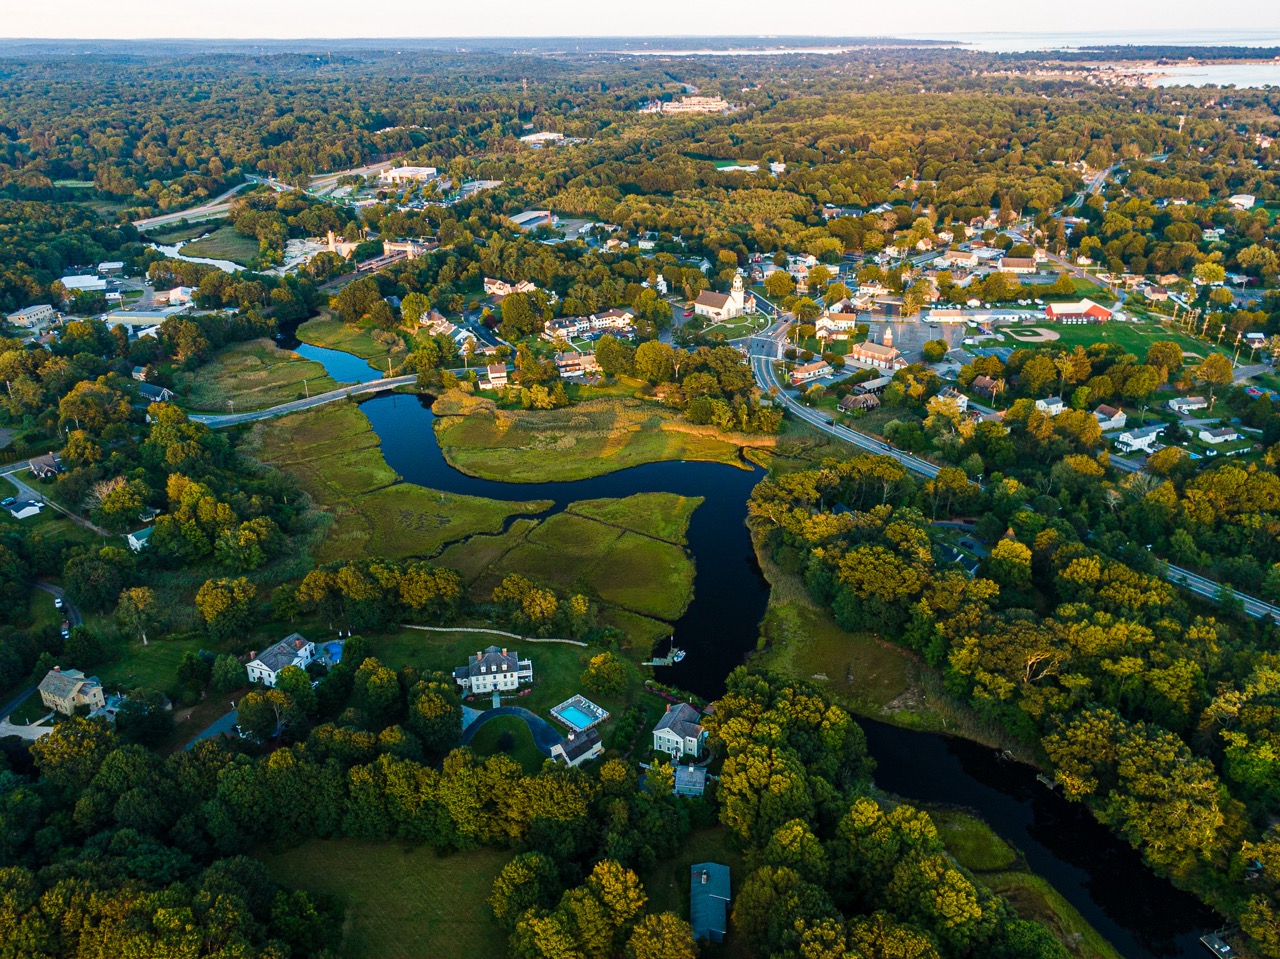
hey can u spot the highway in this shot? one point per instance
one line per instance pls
(767, 379)
(218, 206)
(1207, 588)
(216, 420)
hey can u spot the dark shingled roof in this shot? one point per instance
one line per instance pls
(681, 719)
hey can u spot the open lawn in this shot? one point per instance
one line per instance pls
(510, 735)
(224, 243)
(53, 526)
(154, 666)
(1134, 338)
(401, 902)
(590, 439)
(337, 457)
(251, 376)
(366, 342)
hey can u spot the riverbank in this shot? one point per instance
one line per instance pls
(370, 344)
(587, 439)
(251, 376)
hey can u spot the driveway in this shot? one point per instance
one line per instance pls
(69, 611)
(29, 492)
(223, 724)
(544, 734)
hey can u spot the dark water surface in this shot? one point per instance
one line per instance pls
(1142, 915)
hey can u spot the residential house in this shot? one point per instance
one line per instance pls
(577, 364)
(1051, 405)
(155, 394)
(493, 669)
(1188, 404)
(46, 467)
(497, 375)
(30, 317)
(1139, 440)
(810, 371)
(709, 900)
(875, 385)
(864, 401)
(616, 321)
(725, 306)
(1213, 437)
(678, 732)
(1017, 264)
(503, 288)
(1083, 311)
(690, 781)
(1156, 293)
(139, 539)
(578, 748)
(64, 690)
(141, 373)
(1110, 417)
(985, 385)
(953, 395)
(293, 650)
(23, 508)
(1242, 201)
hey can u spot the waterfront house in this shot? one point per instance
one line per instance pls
(493, 669)
(678, 732)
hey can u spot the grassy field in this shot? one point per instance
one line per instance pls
(590, 439)
(667, 883)
(402, 902)
(1134, 338)
(252, 376)
(224, 243)
(999, 866)
(513, 733)
(337, 457)
(373, 345)
(49, 523)
(661, 515)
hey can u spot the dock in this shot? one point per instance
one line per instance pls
(672, 657)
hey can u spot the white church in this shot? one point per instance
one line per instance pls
(725, 306)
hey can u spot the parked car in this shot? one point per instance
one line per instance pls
(688, 312)
(57, 602)
(8, 501)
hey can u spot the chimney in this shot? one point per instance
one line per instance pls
(57, 669)
(297, 644)
(504, 651)
(479, 656)
(704, 877)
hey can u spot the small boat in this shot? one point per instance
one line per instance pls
(677, 655)
(1217, 945)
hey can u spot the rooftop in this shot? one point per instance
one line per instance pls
(283, 653)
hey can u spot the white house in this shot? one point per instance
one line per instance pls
(1051, 405)
(503, 288)
(1188, 404)
(24, 508)
(578, 748)
(1110, 417)
(293, 650)
(952, 395)
(497, 375)
(493, 669)
(1224, 434)
(1139, 440)
(678, 732)
(1242, 201)
(138, 540)
(810, 371)
(725, 306)
(954, 258)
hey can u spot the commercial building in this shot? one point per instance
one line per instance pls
(689, 105)
(709, 900)
(1083, 311)
(408, 174)
(30, 317)
(810, 371)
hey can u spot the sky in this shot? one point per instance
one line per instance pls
(154, 19)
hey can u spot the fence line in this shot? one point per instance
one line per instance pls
(493, 632)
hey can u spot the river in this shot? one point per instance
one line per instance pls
(1142, 915)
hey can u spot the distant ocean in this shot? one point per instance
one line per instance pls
(1019, 42)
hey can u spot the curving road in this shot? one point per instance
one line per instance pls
(219, 206)
(26, 491)
(1208, 589)
(767, 379)
(216, 420)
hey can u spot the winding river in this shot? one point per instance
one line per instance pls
(1143, 916)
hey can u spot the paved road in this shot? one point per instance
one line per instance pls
(216, 420)
(223, 724)
(218, 206)
(544, 734)
(766, 378)
(1203, 586)
(31, 493)
(69, 610)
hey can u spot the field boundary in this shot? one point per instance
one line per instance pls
(494, 632)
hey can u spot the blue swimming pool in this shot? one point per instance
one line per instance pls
(575, 717)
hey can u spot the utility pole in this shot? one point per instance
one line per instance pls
(305, 389)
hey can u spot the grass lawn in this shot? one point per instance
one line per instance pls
(1134, 338)
(252, 376)
(373, 345)
(336, 456)
(49, 523)
(510, 735)
(154, 666)
(224, 243)
(589, 439)
(402, 902)
(31, 710)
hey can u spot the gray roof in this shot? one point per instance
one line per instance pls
(153, 392)
(63, 683)
(690, 778)
(283, 653)
(576, 745)
(494, 660)
(709, 900)
(681, 719)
